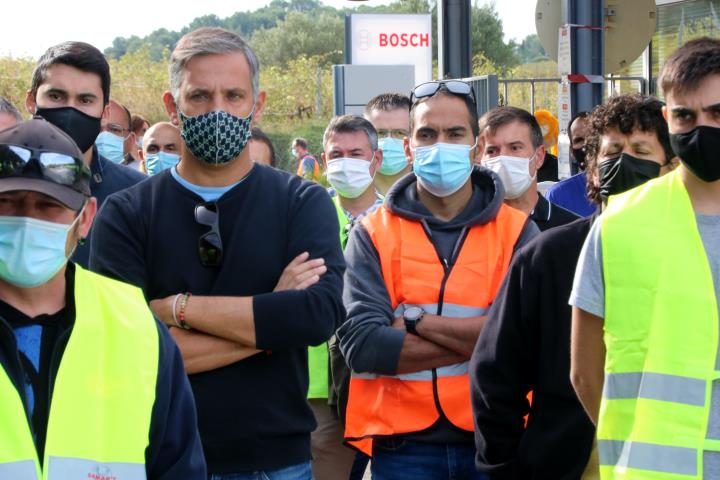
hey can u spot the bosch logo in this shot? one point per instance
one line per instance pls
(404, 40)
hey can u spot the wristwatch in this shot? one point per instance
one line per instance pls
(412, 316)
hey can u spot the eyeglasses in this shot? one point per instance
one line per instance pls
(397, 133)
(116, 130)
(55, 167)
(210, 245)
(456, 87)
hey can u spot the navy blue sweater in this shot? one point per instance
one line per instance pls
(253, 414)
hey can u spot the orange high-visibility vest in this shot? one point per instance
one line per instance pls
(381, 405)
(316, 171)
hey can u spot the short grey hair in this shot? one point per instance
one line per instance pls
(351, 124)
(210, 41)
(9, 108)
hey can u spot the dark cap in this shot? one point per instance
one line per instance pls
(39, 134)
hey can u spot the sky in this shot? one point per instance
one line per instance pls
(48, 22)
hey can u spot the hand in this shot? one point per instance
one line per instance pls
(399, 323)
(301, 273)
(162, 308)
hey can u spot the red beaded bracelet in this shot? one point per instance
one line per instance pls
(181, 315)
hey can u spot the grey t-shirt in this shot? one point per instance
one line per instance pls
(588, 293)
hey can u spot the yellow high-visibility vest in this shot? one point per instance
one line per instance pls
(661, 336)
(102, 400)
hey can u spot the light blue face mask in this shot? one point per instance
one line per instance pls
(110, 146)
(443, 168)
(31, 251)
(393, 160)
(157, 162)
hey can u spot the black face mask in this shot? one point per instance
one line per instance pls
(579, 156)
(623, 173)
(81, 127)
(699, 150)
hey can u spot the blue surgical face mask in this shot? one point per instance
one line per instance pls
(111, 147)
(157, 162)
(443, 168)
(216, 137)
(31, 251)
(393, 160)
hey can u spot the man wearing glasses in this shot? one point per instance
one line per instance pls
(91, 385)
(422, 271)
(208, 241)
(71, 89)
(390, 115)
(116, 139)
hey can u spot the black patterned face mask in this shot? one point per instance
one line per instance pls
(216, 137)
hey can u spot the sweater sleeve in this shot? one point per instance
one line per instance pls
(367, 340)
(299, 318)
(117, 244)
(501, 371)
(175, 450)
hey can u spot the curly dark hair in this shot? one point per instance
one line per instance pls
(625, 113)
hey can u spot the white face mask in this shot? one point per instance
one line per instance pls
(349, 176)
(514, 173)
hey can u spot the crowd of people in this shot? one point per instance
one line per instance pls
(172, 306)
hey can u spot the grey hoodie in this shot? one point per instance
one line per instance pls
(367, 340)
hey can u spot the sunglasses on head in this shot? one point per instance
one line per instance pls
(209, 245)
(55, 167)
(428, 89)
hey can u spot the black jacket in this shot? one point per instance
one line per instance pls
(548, 215)
(524, 346)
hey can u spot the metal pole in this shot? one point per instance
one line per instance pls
(532, 97)
(454, 38)
(588, 50)
(505, 94)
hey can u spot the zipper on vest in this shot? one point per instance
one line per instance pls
(447, 267)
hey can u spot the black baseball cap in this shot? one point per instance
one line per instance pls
(59, 170)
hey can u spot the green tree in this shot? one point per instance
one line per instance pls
(531, 50)
(301, 34)
(138, 82)
(487, 37)
(15, 76)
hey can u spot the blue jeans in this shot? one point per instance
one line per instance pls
(301, 471)
(405, 460)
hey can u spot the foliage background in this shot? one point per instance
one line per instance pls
(297, 42)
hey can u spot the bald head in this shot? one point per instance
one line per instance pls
(161, 137)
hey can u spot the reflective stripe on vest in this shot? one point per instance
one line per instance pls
(104, 391)
(381, 405)
(661, 336)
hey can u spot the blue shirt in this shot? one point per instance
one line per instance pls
(209, 194)
(571, 194)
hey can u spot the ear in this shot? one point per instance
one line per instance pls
(171, 108)
(130, 142)
(30, 103)
(409, 155)
(665, 112)
(141, 154)
(324, 159)
(259, 107)
(86, 217)
(540, 158)
(376, 163)
(106, 112)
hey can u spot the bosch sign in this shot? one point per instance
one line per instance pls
(391, 39)
(405, 40)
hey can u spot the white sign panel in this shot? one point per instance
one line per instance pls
(393, 39)
(564, 52)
